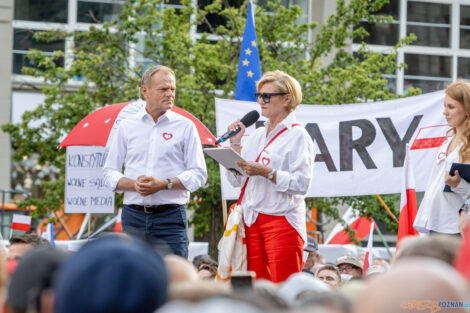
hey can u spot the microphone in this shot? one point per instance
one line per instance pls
(249, 119)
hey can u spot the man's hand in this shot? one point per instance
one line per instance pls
(452, 181)
(254, 168)
(147, 185)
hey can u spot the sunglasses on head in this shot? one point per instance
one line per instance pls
(267, 96)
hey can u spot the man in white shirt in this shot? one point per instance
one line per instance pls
(163, 162)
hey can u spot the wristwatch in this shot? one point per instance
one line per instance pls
(170, 184)
(270, 175)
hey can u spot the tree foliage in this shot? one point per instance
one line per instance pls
(108, 60)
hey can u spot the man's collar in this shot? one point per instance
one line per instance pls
(169, 115)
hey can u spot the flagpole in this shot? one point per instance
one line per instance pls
(224, 210)
(386, 208)
(379, 232)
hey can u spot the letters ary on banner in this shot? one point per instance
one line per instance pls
(360, 148)
(85, 191)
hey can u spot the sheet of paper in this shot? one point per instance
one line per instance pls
(227, 157)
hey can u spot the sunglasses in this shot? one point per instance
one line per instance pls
(267, 96)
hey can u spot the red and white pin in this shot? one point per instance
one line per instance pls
(167, 136)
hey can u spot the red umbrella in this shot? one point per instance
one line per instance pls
(95, 128)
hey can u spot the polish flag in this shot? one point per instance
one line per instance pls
(408, 205)
(360, 225)
(118, 225)
(21, 222)
(370, 246)
(430, 137)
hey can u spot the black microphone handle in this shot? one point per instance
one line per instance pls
(228, 135)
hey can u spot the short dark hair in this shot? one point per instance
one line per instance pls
(32, 239)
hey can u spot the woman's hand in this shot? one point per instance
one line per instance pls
(452, 181)
(238, 137)
(254, 168)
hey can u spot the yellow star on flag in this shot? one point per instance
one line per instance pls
(248, 51)
(249, 73)
(245, 62)
(253, 43)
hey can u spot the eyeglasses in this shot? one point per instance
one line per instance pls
(267, 96)
(345, 268)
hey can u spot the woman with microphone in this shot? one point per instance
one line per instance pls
(279, 164)
(439, 211)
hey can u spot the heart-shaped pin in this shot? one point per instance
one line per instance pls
(441, 155)
(167, 136)
(265, 161)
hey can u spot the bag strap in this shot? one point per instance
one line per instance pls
(242, 192)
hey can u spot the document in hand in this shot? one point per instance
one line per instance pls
(227, 157)
(464, 171)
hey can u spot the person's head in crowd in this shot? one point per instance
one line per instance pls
(459, 111)
(112, 274)
(330, 275)
(375, 270)
(19, 245)
(381, 262)
(30, 287)
(360, 258)
(290, 291)
(207, 271)
(413, 279)
(311, 249)
(196, 290)
(441, 247)
(324, 302)
(198, 259)
(349, 265)
(179, 269)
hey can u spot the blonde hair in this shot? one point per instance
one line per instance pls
(286, 84)
(460, 92)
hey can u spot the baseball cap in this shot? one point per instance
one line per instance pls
(348, 259)
(112, 274)
(312, 245)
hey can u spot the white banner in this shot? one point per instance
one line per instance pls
(85, 191)
(360, 148)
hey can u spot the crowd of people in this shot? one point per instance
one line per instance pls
(118, 273)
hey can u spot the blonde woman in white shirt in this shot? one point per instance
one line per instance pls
(439, 211)
(280, 158)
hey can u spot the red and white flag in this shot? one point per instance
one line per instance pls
(430, 137)
(118, 225)
(21, 222)
(360, 225)
(408, 205)
(370, 246)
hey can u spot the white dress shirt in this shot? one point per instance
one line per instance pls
(439, 211)
(168, 148)
(292, 155)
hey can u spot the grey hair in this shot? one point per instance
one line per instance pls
(152, 70)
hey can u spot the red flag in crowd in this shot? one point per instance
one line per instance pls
(118, 225)
(408, 206)
(369, 254)
(360, 225)
(21, 222)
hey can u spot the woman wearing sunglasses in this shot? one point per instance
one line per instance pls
(280, 158)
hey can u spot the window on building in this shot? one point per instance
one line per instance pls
(465, 27)
(23, 41)
(428, 72)
(89, 11)
(430, 22)
(383, 34)
(463, 68)
(54, 11)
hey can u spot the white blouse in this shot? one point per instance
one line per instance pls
(292, 155)
(439, 211)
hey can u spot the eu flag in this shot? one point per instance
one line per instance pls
(249, 68)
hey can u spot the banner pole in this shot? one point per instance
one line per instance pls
(224, 210)
(386, 208)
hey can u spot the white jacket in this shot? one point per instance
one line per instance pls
(439, 211)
